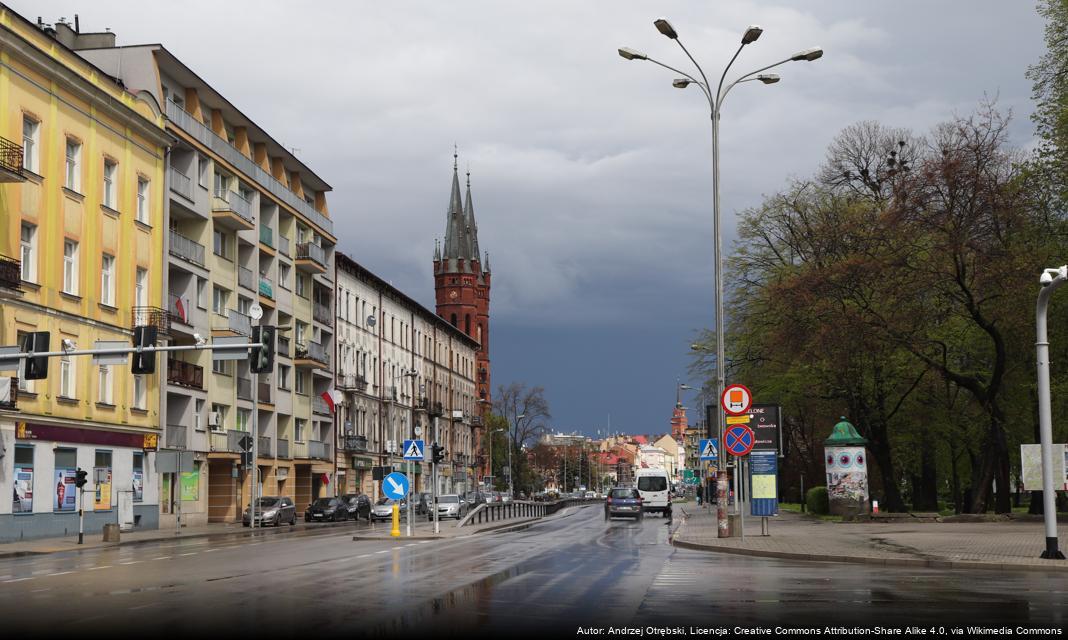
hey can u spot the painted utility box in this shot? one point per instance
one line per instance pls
(846, 458)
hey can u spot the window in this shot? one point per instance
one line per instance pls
(219, 409)
(220, 244)
(202, 286)
(243, 416)
(302, 387)
(283, 275)
(219, 299)
(244, 305)
(198, 411)
(298, 429)
(283, 376)
(138, 476)
(23, 479)
(221, 366)
(222, 186)
(73, 180)
(104, 499)
(29, 252)
(110, 173)
(24, 384)
(300, 286)
(64, 493)
(104, 393)
(141, 287)
(142, 200)
(107, 280)
(70, 267)
(30, 138)
(140, 395)
(202, 170)
(301, 330)
(66, 377)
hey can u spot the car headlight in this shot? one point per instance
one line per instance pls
(270, 514)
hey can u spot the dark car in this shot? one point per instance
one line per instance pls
(623, 502)
(272, 510)
(325, 509)
(358, 505)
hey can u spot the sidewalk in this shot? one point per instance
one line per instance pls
(958, 545)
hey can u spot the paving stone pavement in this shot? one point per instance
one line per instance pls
(985, 545)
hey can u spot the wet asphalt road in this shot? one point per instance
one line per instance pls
(547, 579)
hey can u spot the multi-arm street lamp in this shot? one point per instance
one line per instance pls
(715, 105)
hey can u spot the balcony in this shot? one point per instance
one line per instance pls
(318, 450)
(319, 406)
(311, 258)
(351, 382)
(436, 409)
(179, 308)
(186, 249)
(284, 348)
(176, 436)
(283, 449)
(151, 317)
(283, 245)
(311, 354)
(240, 323)
(354, 444)
(230, 210)
(10, 277)
(184, 120)
(185, 374)
(244, 389)
(266, 287)
(181, 184)
(322, 314)
(10, 161)
(264, 391)
(9, 398)
(267, 236)
(264, 445)
(246, 278)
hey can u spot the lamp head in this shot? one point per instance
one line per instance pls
(630, 54)
(664, 27)
(751, 34)
(680, 83)
(808, 55)
(768, 78)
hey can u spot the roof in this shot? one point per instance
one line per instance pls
(640, 440)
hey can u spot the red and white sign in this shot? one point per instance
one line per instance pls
(736, 400)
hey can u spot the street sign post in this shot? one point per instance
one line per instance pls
(709, 449)
(395, 486)
(739, 440)
(413, 450)
(736, 400)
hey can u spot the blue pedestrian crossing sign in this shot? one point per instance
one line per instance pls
(413, 449)
(709, 449)
(395, 486)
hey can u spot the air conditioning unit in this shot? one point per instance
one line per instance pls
(214, 420)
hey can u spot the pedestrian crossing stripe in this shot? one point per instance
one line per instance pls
(413, 450)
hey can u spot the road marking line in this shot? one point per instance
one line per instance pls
(364, 555)
(18, 579)
(131, 562)
(107, 566)
(163, 558)
(410, 544)
(382, 551)
(210, 550)
(182, 555)
(142, 606)
(61, 573)
(425, 542)
(40, 590)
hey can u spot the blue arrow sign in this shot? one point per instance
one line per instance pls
(395, 486)
(413, 449)
(709, 449)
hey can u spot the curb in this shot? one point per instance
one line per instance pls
(398, 538)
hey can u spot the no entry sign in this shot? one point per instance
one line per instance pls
(736, 400)
(739, 440)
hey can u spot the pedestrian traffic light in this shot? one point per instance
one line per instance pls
(439, 452)
(81, 477)
(36, 368)
(145, 362)
(263, 357)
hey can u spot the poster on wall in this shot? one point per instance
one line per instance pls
(23, 490)
(138, 485)
(65, 494)
(847, 475)
(190, 486)
(103, 492)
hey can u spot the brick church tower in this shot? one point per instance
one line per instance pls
(462, 279)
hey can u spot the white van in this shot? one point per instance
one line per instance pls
(654, 487)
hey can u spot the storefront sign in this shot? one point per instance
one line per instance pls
(190, 486)
(55, 433)
(102, 501)
(65, 493)
(23, 490)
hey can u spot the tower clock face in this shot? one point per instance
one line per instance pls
(453, 294)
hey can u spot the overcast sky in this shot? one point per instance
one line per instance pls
(590, 174)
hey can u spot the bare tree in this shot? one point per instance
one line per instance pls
(525, 409)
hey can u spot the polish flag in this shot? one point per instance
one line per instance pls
(181, 308)
(329, 398)
(326, 478)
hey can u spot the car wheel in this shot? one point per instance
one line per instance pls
(640, 517)
(293, 520)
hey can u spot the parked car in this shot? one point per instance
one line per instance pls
(475, 498)
(653, 486)
(358, 505)
(383, 509)
(623, 502)
(325, 509)
(450, 506)
(273, 510)
(591, 495)
(505, 498)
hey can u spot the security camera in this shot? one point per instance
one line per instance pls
(69, 345)
(201, 340)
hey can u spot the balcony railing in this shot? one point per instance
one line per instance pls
(319, 406)
(186, 249)
(240, 323)
(283, 347)
(318, 450)
(246, 278)
(321, 313)
(176, 437)
(355, 444)
(185, 374)
(10, 161)
(10, 274)
(151, 317)
(10, 400)
(264, 392)
(351, 381)
(206, 136)
(312, 351)
(264, 445)
(179, 308)
(283, 448)
(233, 440)
(267, 236)
(311, 251)
(181, 184)
(235, 202)
(283, 245)
(244, 389)
(266, 287)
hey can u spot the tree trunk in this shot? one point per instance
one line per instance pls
(925, 487)
(891, 498)
(994, 468)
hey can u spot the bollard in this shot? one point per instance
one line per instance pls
(395, 531)
(875, 506)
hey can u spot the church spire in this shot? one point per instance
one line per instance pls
(454, 229)
(469, 219)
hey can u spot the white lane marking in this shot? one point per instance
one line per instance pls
(40, 590)
(426, 542)
(364, 555)
(131, 562)
(142, 606)
(162, 558)
(107, 566)
(382, 551)
(61, 573)
(210, 550)
(18, 580)
(182, 555)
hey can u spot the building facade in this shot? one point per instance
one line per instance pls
(400, 366)
(82, 172)
(248, 230)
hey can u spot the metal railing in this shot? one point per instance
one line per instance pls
(186, 249)
(311, 251)
(264, 447)
(10, 273)
(495, 511)
(321, 313)
(181, 184)
(151, 317)
(206, 136)
(350, 381)
(246, 278)
(11, 157)
(266, 286)
(267, 236)
(313, 351)
(240, 323)
(319, 406)
(283, 245)
(318, 450)
(185, 374)
(233, 440)
(284, 347)
(176, 436)
(236, 203)
(283, 448)
(244, 389)
(12, 400)
(264, 392)
(355, 444)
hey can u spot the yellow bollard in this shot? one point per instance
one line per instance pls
(395, 531)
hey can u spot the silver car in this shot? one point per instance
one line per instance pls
(383, 509)
(450, 506)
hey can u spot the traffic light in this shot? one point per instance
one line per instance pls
(82, 477)
(36, 368)
(144, 363)
(263, 357)
(439, 452)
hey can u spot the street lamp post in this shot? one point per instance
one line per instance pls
(511, 443)
(1051, 279)
(715, 104)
